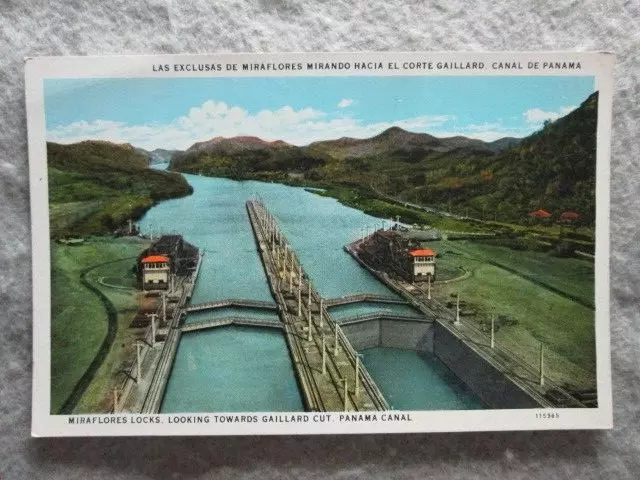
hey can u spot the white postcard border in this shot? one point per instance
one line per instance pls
(599, 65)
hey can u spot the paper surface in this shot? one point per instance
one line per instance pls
(433, 296)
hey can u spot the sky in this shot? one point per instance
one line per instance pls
(174, 113)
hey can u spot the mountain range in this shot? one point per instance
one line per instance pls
(553, 169)
(392, 141)
(345, 159)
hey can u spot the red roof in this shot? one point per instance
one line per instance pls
(540, 214)
(155, 258)
(569, 215)
(422, 252)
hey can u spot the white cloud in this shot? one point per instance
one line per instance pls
(345, 102)
(299, 127)
(487, 132)
(213, 118)
(537, 115)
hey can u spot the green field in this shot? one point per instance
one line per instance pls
(97, 396)
(64, 216)
(538, 297)
(80, 319)
(572, 276)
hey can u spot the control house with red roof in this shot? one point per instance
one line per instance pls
(422, 264)
(390, 251)
(155, 272)
(168, 259)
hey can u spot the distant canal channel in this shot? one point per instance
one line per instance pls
(215, 370)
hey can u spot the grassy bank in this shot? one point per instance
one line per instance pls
(98, 396)
(79, 316)
(533, 294)
(365, 199)
(571, 277)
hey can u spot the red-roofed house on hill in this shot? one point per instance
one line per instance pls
(569, 216)
(422, 264)
(540, 214)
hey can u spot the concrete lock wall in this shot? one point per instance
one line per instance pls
(391, 334)
(363, 335)
(491, 385)
(408, 335)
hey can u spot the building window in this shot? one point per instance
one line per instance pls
(154, 266)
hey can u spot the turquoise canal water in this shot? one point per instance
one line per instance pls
(249, 369)
(235, 369)
(215, 219)
(411, 381)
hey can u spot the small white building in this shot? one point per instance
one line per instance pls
(155, 272)
(422, 264)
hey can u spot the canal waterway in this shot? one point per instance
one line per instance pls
(411, 381)
(215, 369)
(232, 369)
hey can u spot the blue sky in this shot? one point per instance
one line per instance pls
(176, 112)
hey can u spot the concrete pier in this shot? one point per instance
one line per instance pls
(329, 374)
(231, 302)
(494, 374)
(222, 322)
(365, 297)
(155, 393)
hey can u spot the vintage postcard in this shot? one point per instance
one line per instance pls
(320, 243)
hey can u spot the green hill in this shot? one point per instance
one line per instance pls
(553, 169)
(248, 157)
(95, 187)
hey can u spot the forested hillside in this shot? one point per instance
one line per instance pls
(95, 187)
(552, 169)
